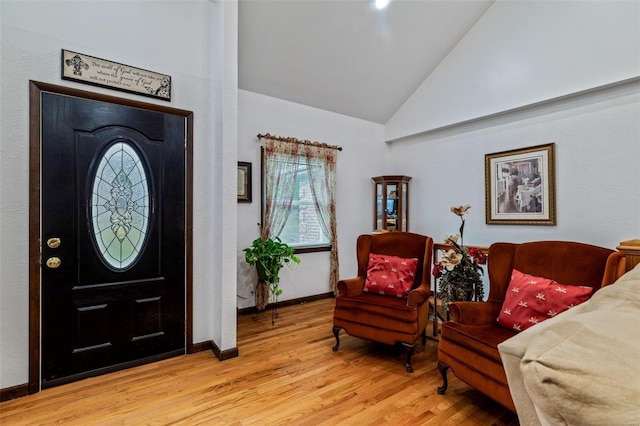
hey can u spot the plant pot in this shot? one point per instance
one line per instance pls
(262, 295)
(463, 294)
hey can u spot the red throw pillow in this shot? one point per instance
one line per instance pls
(530, 300)
(390, 275)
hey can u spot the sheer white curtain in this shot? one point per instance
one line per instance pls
(282, 160)
(321, 169)
(280, 171)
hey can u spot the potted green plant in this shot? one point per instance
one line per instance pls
(269, 257)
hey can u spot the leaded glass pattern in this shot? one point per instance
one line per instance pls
(120, 206)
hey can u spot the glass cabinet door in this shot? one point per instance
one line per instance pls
(380, 215)
(404, 220)
(392, 200)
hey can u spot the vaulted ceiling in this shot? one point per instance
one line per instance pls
(346, 56)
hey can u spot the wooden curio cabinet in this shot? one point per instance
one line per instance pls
(391, 209)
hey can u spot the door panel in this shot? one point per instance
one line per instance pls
(98, 312)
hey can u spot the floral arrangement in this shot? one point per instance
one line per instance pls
(460, 268)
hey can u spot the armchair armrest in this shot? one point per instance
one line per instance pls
(351, 286)
(615, 268)
(475, 313)
(419, 295)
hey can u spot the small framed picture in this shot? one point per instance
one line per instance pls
(244, 182)
(520, 186)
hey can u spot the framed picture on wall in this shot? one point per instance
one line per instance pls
(520, 186)
(244, 182)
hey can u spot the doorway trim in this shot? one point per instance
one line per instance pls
(35, 297)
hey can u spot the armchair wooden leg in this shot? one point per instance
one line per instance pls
(442, 368)
(409, 348)
(336, 332)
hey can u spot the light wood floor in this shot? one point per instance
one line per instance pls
(285, 374)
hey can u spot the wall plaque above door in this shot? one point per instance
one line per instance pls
(99, 72)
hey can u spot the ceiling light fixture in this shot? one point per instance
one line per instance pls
(381, 4)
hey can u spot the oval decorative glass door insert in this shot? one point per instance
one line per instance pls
(120, 206)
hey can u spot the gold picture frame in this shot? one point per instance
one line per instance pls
(520, 186)
(244, 182)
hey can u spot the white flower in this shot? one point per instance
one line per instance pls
(460, 210)
(451, 259)
(515, 289)
(523, 304)
(533, 320)
(540, 296)
(507, 311)
(561, 289)
(516, 327)
(552, 313)
(449, 238)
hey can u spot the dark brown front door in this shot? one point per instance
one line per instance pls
(112, 236)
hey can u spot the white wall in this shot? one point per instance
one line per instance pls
(364, 156)
(217, 271)
(597, 139)
(523, 52)
(175, 38)
(531, 73)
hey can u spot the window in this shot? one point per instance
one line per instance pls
(302, 227)
(120, 206)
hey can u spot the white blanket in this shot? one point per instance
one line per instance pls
(581, 367)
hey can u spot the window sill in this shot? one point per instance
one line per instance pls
(311, 249)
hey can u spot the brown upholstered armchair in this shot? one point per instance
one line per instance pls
(468, 344)
(382, 318)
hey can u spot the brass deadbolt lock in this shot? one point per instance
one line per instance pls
(53, 262)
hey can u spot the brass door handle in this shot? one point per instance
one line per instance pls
(53, 262)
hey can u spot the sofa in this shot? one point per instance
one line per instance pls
(581, 367)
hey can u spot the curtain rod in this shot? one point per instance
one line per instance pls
(294, 140)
